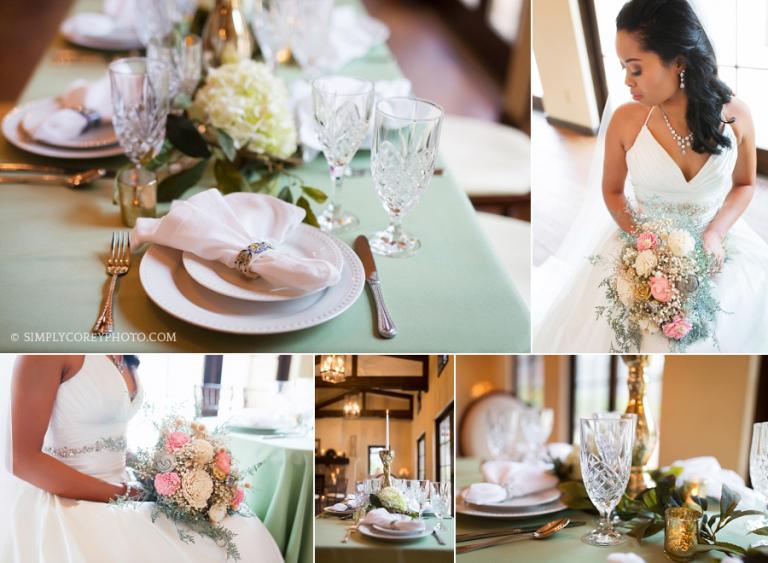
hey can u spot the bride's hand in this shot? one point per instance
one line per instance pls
(713, 244)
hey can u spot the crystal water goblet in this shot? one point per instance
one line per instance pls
(184, 58)
(758, 467)
(154, 20)
(606, 459)
(421, 494)
(501, 428)
(342, 108)
(440, 498)
(139, 90)
(309, 23)
(536, 427)
(403, 155)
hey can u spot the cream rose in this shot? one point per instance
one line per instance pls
(625, 291)
(201, 451)
(648, 326)
(680, 242)
(197, 487)
(217, 512)
(645, 262)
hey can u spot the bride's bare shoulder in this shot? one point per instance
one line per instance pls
(626, 122)
(52, 366)
(738, 111)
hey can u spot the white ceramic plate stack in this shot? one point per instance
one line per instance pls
(529, 506)
(210, 295)
(333, 512)
(384, 533)
(98, 142)
(99, 31)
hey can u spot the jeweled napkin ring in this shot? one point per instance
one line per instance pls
(246, 257)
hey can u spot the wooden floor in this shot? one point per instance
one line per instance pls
(560, 161)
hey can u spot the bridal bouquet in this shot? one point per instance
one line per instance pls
(191, 477)
(660, 283)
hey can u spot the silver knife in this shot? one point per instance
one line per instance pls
(385, 324)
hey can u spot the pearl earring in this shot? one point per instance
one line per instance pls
(682, 79)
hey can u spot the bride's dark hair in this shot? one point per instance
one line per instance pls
(671, 29)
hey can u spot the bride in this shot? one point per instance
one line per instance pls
(686, 142)
(64, 458)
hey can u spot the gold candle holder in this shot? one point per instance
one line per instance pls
(681, 533)
(227, 36)
(386, 457)
(137, 194)
(646, 436)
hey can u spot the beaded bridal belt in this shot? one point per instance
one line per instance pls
(118, 444)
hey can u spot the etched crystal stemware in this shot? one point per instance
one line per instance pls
(342, 108)
(606, 459)
(309, 27)
(403, 155)
(758, 465)
(270, 26)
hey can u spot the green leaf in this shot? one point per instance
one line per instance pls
(265, 184)
(315, 194)
(375, 501)
(760, 531)
(310, 218)
(227, 144)
(729, 499)
(173, 187)
(730, 548)
(228, 178)
(742, 513)
(286, 195)
(181, 131)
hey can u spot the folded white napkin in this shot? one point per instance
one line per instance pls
(484, 493)
(341, 507)
(519, 478)
(215, 227)
(301, 99)
(59, 120)
(625, 558)
(116, 21)
(401, 522)
(559, 450)
(351, 36)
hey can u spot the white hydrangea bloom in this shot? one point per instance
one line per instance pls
(251, 105)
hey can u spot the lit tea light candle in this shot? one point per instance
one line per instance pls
(681, 532)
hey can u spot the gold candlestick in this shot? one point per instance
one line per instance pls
(646, 436)
(227, 36)
(386, 459)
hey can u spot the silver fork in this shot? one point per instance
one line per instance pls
(118, 263)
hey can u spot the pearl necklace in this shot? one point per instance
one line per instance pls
(682, 142)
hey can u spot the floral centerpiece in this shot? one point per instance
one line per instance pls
(660, 283)
(643, 517)
(192, 479)
(239, 119)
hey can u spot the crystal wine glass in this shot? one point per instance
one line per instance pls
(403, 156)
(440, 498)
(309, 25)
(421, 494)
(536, 427)
(758, 465)
(501, 428)
(140, 107)
(342, 108)
(154, 20)
(184, 58)
(606, 459)
(270, 26)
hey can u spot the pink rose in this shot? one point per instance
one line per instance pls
(223, 461)
(237, 498)
(661, 289)
(677, 328)
(647, 241)
(175, 441)
(167, 483)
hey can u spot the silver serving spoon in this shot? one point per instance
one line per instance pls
(547, 530)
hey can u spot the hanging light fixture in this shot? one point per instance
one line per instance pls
(333, 368)
(351, 407)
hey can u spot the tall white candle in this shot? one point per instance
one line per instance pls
(387, 429)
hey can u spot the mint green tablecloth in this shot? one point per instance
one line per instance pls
(329, 531)
(281, 489)
(454, 296)
(565, 545)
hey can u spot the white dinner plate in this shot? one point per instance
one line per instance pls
(486, 512)
(330, 510)
(171, 288)
(527, 501)
(97, 31)
(370, 531)
(305, 242)
(17, 136)
(393, 532)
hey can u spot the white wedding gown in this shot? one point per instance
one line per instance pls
(741, 287)
(87, 432)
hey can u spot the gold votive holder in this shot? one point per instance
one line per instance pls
(137, 194)
(681, 532)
